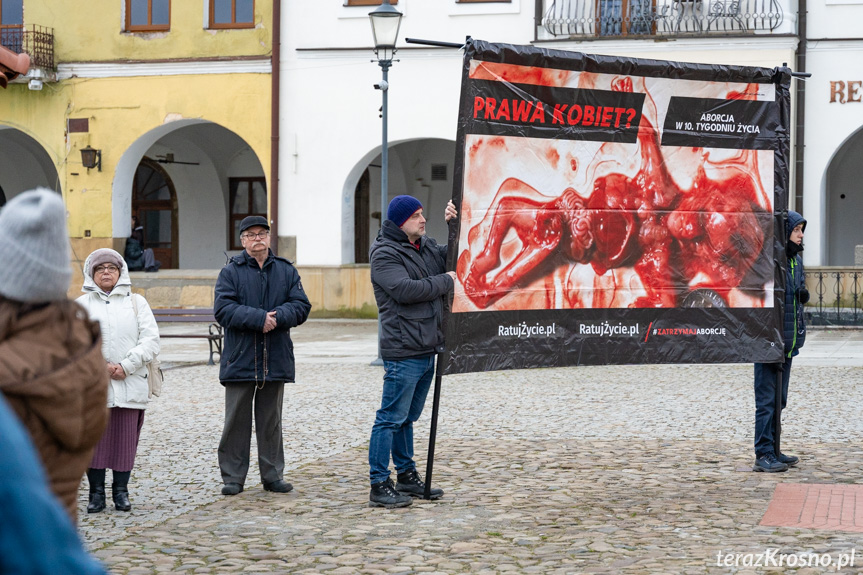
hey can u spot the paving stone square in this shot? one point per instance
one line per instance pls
(623, 469)
(820, 506)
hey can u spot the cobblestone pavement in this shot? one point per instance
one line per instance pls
(633, 469)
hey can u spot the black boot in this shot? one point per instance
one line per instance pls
(789, 460)
(383, 494)
(120, 490)
(409, 483)
(96, 478)
(769, 464)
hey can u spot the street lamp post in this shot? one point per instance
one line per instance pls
(386, 21)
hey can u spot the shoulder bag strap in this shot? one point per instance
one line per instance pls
(135, 307)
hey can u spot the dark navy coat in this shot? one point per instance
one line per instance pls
(244, 295)
(409, 286)
(794, 326)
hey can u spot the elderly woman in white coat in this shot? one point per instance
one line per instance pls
(130, 340)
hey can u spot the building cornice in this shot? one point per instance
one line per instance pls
(834, 44)
(645, 45)
(168, 67)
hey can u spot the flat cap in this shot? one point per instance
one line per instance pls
(252, 221)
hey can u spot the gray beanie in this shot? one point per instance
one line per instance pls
(34, 248)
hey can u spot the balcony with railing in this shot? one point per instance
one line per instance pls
(582, 19)
(35, 41)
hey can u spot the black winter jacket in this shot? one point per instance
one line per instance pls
(794, 326)
(410, 286)
(244, 295)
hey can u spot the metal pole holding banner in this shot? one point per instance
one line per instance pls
(780, 371)
(777, 412)
(437, 386)
(433, 431)
(436, 43)
(440, 356)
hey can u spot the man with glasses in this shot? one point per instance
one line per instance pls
(259, 298)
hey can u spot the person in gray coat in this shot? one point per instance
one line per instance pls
(410, 281)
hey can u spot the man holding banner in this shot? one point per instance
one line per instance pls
(796, 295)
(410, 284)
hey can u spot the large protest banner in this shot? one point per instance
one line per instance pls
(616, 210)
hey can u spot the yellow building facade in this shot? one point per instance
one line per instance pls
(174, 101)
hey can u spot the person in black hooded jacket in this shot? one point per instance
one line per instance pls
(410, 281)
(794, 331)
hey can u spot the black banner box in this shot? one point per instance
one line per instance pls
(616, 211)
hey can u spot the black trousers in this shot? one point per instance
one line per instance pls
(236, 442)
(765, 403)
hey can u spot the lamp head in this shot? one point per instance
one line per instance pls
(385, 21)
(91, 157)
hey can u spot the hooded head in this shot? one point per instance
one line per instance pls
(34, 248)
(103, 256)
(106, 256)
(794, 220)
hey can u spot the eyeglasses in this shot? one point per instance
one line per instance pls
(103, 269)
(260, 235)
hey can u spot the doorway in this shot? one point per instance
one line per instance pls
(361, 220)
(154, 202)
(844, 203)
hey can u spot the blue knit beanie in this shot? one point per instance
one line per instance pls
(401, 208)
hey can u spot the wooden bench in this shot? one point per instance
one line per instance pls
(204, 315)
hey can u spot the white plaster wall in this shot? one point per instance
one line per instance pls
(348, 26)
(834, 19)
(828, 126)
(329, 117)
(328, 132)
(329, 120)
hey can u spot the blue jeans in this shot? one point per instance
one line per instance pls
(765, 403)
(406, 385)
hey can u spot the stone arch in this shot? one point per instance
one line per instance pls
(200, 158)
(410, 170)
(24, 164)
(843, 201)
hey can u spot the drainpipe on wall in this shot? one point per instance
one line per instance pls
(537, 19)
(801, 108)
(274, 127)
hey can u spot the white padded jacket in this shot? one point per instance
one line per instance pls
(126, 340)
